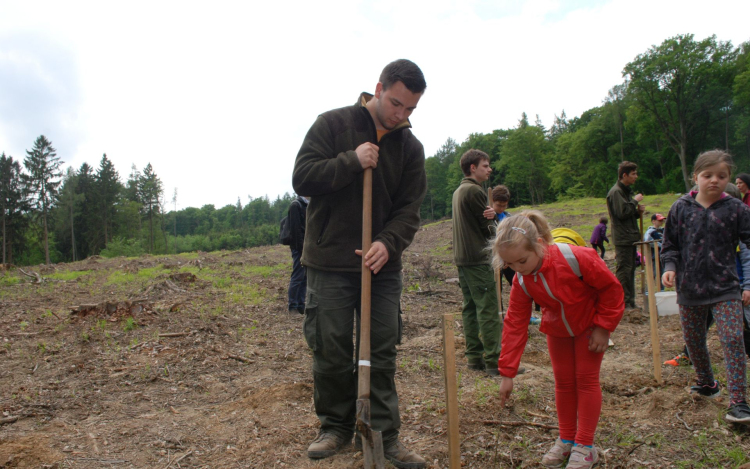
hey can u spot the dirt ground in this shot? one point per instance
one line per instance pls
(213, 372)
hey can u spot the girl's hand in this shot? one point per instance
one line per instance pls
(506, 387)
(668, 279)
(599, 340)
(746, 297)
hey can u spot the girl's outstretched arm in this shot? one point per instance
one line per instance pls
(506, 388)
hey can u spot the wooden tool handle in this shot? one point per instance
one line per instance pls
(364, 320)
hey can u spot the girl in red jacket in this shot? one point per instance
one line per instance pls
(582, 303)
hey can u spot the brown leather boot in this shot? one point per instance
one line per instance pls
(327, 444)
(401, 457)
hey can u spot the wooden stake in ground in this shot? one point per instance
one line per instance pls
(652, 311)
(451, 392)
(643, 283)
(372, 441)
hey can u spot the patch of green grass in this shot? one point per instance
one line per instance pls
(441, 250)
(120, 278)
(69, 275)
(9, 281)
(267, 270)
(247, 293)
(129, 324)
(188, 255)
(435, 223)
(190, 269)
(582, 215)
(150, 272)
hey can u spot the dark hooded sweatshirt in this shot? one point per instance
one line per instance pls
(700, 245)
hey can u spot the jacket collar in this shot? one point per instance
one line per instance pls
(625, 188)
(470, 180)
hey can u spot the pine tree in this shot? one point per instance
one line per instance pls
(13, 203)
(150, 191)
(43, 166)
(108, 188)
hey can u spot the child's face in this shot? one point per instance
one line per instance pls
(712, 180)
(520, 259)
(657, 223)
(499, 207)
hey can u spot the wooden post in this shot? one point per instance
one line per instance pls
(643, 283)
(451, 392)
(653, 313)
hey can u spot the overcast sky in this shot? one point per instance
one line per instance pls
(218, 95)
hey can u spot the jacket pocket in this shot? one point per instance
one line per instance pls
(324, 225)
(400, 334)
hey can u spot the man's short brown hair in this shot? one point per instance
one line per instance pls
(472, 157)
(500, 194)
(626, 167)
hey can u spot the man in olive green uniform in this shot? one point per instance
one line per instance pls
(374, 133)
(471, 234)
(625, 211)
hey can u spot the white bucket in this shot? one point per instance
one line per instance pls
(666, 303)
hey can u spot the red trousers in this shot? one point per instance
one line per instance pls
(578, 395)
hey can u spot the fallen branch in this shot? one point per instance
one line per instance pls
(683, 422)
(174, 334)
(240, 359)
(519, 424)
(34, 275)
(176, 461)
(7, 420)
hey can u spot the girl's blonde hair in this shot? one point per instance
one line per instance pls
(712, 157)
(523, 229)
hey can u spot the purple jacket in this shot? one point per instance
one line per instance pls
(700, 245)
(599, 235)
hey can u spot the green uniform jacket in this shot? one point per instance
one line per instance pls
(328, 171)
(624, 212)
(471, 231)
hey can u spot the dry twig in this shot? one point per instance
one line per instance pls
(519, 424)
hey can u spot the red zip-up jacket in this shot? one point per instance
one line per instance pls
(570, 305)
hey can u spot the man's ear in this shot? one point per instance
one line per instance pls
(378, 90)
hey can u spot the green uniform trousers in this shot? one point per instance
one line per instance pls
(482, 326)
(333, 303)
(625, 272)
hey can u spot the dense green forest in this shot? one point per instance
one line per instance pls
(676, 99)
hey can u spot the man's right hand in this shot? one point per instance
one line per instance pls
(638, 197)
(368, 155)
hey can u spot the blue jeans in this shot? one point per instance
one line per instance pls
(298, 283)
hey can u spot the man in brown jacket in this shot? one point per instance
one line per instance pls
(374, 133)
(625, 211)
(471, 234)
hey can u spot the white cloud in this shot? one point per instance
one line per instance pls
(218, 97)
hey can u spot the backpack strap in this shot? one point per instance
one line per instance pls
(566, 251)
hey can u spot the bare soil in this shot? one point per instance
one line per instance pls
(213, 372)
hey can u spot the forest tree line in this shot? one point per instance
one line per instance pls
(677, 99)
(51, 216)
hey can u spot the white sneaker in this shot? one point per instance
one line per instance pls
(582, 457)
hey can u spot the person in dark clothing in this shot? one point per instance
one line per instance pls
(599, 236)
(298, 281)
(375, 133)
(625, 211)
